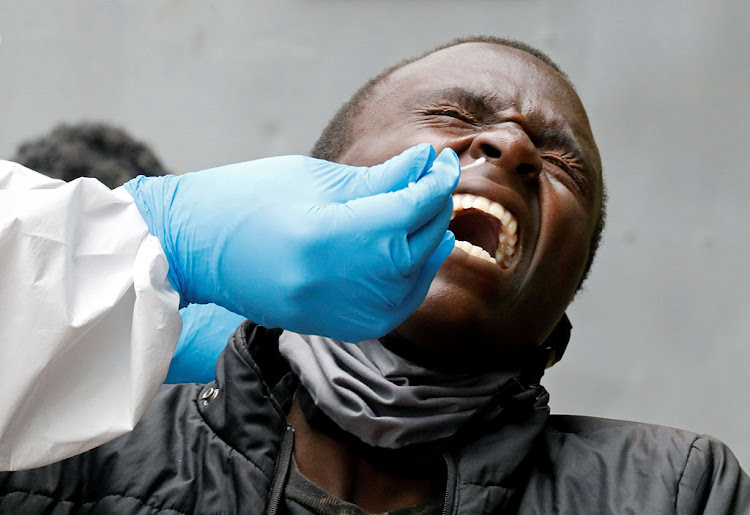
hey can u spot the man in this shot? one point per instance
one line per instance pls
(444, 414)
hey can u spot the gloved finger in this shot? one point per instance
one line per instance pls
(423, 242)
(341, 183)
(411, 208)
(401, 170)
(431, 194)
(425, 277)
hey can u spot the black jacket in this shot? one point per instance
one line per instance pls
(198, 451)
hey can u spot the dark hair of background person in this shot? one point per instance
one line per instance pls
(89, 149)
(337, 135)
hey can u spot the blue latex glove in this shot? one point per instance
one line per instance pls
(206, 328)
(308, 245)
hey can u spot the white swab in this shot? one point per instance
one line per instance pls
(478, 162)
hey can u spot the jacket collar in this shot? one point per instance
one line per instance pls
(246, 405)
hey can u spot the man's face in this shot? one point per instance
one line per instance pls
(540, 164)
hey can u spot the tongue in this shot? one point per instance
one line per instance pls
(477, 228)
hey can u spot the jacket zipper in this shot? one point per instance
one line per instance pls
(450, 483)
(282, 467)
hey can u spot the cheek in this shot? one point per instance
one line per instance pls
(565, 238)
(372, 153)
(379, 147)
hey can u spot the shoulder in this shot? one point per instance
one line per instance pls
(665, 469)
(582, 431)
(631, 445)
(636, 452)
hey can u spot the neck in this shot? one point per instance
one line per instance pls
(343, 472)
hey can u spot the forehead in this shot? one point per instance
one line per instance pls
(494, 70)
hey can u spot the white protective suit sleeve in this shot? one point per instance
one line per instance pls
(88, 319)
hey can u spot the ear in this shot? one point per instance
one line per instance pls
(557, 341)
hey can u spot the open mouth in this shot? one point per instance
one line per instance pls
(484, 229)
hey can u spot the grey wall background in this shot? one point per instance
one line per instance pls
(662, 332)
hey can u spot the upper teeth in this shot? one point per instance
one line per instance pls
(506, 245)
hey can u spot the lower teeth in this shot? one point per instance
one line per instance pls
(502, 257)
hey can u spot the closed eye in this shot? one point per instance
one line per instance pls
(454, 114)
(572, 168)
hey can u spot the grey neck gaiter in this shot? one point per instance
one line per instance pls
(381, 398)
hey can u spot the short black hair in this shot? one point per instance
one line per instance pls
(337, 136)
(89, 149)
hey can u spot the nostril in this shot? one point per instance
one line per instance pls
(526, 169)
(490, 151)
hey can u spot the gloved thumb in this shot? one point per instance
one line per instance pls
(343, 183)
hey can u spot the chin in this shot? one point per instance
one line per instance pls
(448, 335)
(456, 330)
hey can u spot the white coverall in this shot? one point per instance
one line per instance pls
(88, 319)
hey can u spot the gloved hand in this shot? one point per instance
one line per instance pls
(308, 245)
(206, 329)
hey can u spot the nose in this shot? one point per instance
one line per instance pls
(508, 146)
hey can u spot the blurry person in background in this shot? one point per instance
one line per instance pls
(89, 149)
(110, 154)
